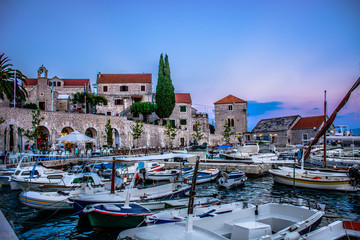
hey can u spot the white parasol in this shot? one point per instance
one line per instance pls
(76, 137)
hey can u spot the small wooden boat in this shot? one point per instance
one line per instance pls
(55, 201)
(335, 230)
(233, 179)
(166, 175)
(178, 215)
(166, 191)
(119, 215)
(267, 221)
(315, 179)
(202, 176)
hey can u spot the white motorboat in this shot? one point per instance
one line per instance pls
(166, 191)
(267, 221)
(5, 176)
(317, 179)
(335, 230)
(55, 201)
(232, 179)
(26, 176)
(178, 215)
(203, 176)
(166, 175)
(250, 153)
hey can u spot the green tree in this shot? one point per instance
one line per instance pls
(197, 135)
(144, 108)
(33, 133)
(227, 133)
(165, 96)
(7, 78)
(136, 131)
(92, 100)
(170, 131)
(108, 134)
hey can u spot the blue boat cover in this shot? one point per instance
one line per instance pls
(223, 146)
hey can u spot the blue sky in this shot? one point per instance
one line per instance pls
(278, 55)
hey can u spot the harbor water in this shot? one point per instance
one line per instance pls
(29, 223)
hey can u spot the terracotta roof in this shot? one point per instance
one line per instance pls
(309, 122)
(182, 98)
(31, 81)
(67, 82)
(230, 99)
(124, 78)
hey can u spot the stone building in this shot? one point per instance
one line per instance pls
(53, 94)
(275, 130)
(232, 110)
(306, 129)
(121, 90)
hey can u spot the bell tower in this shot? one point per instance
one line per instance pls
(42, 72)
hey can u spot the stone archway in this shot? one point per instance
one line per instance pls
(90, 132)
(66, 130)
(43, 140)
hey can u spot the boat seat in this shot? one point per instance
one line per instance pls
(111, 207)
(250, 230)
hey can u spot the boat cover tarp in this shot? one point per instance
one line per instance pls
(223, 147)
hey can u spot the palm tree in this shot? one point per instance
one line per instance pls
(7, 78)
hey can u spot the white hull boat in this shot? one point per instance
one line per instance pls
(178, 215)
(5, 176)
(268, 221)
(314, 179)
(335, 230)
(234, 179)
(202, 176)
(166, 175)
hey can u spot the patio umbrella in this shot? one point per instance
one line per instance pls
(75, 137)
(16, 139)
(7, 139)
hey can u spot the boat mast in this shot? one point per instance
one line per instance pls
(189, 222)
(325, 103)
(331, 118)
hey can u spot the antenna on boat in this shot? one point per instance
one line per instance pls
(325, 105)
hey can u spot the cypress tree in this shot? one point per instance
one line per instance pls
(165, 96)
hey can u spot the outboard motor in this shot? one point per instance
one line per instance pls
(354, 175)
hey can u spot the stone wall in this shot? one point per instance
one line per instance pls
(238, 113)
(55, 122)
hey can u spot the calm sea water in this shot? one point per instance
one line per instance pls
(32, 224)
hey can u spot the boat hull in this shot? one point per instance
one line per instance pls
(58, 202)
(117, 217)
(338, 185)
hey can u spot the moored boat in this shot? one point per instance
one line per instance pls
(232, 179)
(118, 215)
(267, 221)
(317, 179)
(202, 176)
(336, 230)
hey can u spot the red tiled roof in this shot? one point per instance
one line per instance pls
(67, 82)
(309, 122)
(182, 98)
(230, 99)
(124, 78)
(31, 81)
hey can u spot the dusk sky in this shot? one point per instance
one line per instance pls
(279, 55)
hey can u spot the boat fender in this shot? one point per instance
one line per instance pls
(292, 236)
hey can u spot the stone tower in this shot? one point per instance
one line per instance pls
(232, 110)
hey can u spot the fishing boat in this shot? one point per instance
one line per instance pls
(335, 230)
(25, 177)
(166, 175)
(178, 215)
(120, 215)
(267, 221)
(326, 180)
(166, 191)
(5, 176)
(202, 176)
(323, 180)
(250, 153)
(233, 179)
(55, 201)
